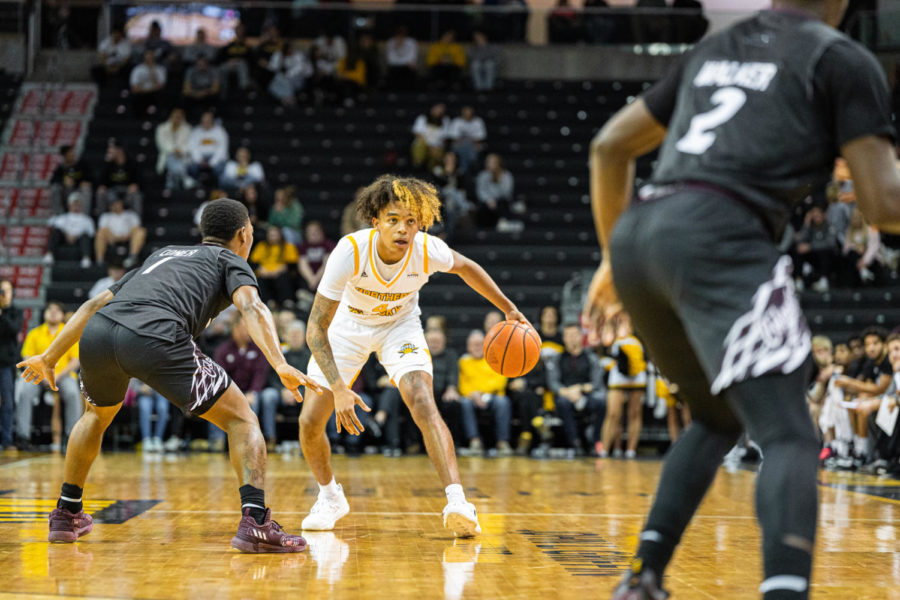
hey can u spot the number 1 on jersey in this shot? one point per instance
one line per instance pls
(700, 137)
(153, 266)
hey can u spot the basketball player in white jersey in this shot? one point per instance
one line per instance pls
(367, 302)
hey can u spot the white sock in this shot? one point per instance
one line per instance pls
(330, 489)
(863, 447)
(455, 493)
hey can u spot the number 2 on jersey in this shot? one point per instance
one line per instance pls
(700, 137)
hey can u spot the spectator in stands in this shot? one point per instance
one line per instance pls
(468, 135)
(482, 389)
(401, 54)
(246, 365)
(36, 342)
(384, 422)
(350, 219)
(114, 272)
(72, 174)
(213, 195)
(445, 366)
(841, 208)
(257, 207)
(173, 148)
(485, 61)
(369, 53)
(431, 132)
(446, 60)
(862, 245)
(114, 53)
(201, 86)
(494, 188)
(321, 82)
(287, 213)
(120, 179)
(575, 377)
(526, 394)
(564, 24)
(269, 43)
(314, 253)
(332, 48)
(208, 149)
(490, 320)
(817, 249)
(10, 326)
(824, 405)
(857, 356)
(627, 382)
(158, 45)
(887, 445)
(351, 74)
(73, 228)
(551, 336)
(234, 60)
(148, 402)
(452, 184)
(119, 226)
(242, 172)
(200, 48)
(291, 68)
(147, 81)
(297, 355)
(272, 259)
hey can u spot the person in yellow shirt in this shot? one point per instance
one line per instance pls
(272, 259)
(483, 389)
(36, 342)
(627, 383)
(446, 59)
(352, 74)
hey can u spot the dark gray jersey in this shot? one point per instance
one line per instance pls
(178, 287)
(763, 108)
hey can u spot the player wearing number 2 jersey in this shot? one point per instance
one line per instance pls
(367, 302)
(144, 327)
(750, 123)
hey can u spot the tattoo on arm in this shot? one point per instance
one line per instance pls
(317, 337)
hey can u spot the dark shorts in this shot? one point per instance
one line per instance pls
(709, 294)
(111, 355)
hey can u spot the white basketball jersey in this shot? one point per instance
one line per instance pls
(352, 276)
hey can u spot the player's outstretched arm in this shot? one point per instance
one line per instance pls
(262, 330)
(478, 279)
(877, 182)
(43, 366)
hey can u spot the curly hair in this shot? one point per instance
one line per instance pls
(222, 218)
(419, 197)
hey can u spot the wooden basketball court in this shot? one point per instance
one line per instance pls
(552, 529)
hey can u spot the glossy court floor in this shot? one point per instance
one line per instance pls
(552, 529)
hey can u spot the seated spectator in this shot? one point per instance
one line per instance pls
(28, 396)
(287, 213)
(241, 172)
(445, 366)
(213, 195)
(269, 43)
(369, 53)
(314, 253)
(401, 54)
(114, 53)
(384, 421)
(887, 445)
(468, 134)
(452, 184)
(160, 47)
(321, 81)
(490, 320)
(481, 389)
(494, 188)
(825, 399)
(257, 207)
(119, 226)
(246, 365)
(290, 70)
(551, 336)
(332, 48)
(200, 48)
(446, 60)
(297, 355)
(173, 147)
(114, 272)
(148, 402)
(817, 249)
(272, 259)
(11, 321)
(201, 86)
(484, 63)
(431, 131)
(73, 228)
(576, 378)
(627, 381)
(564, 24)
(208, 149)
(120, 179)
(350, 219)
(841, 207)
(234, 60)
(72, 174)
(351, 73)
(147, 82)
(860, 254)
(526, 394)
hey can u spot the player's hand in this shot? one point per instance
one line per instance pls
(345, 401)
(515, 315)
(602, 306)
(292, 379)
(37, 369)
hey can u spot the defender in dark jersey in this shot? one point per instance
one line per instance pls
(144, 326)
(750, 122)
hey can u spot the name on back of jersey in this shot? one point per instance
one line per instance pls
(724, 73)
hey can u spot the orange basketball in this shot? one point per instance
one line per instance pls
(512, 348)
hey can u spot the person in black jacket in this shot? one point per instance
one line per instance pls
(10, 326)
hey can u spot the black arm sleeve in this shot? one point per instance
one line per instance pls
(855, 90)
(660, 99)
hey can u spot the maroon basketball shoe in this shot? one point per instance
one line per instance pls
(268, 537)
(66, 527)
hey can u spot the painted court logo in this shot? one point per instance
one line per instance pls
(408, 349)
